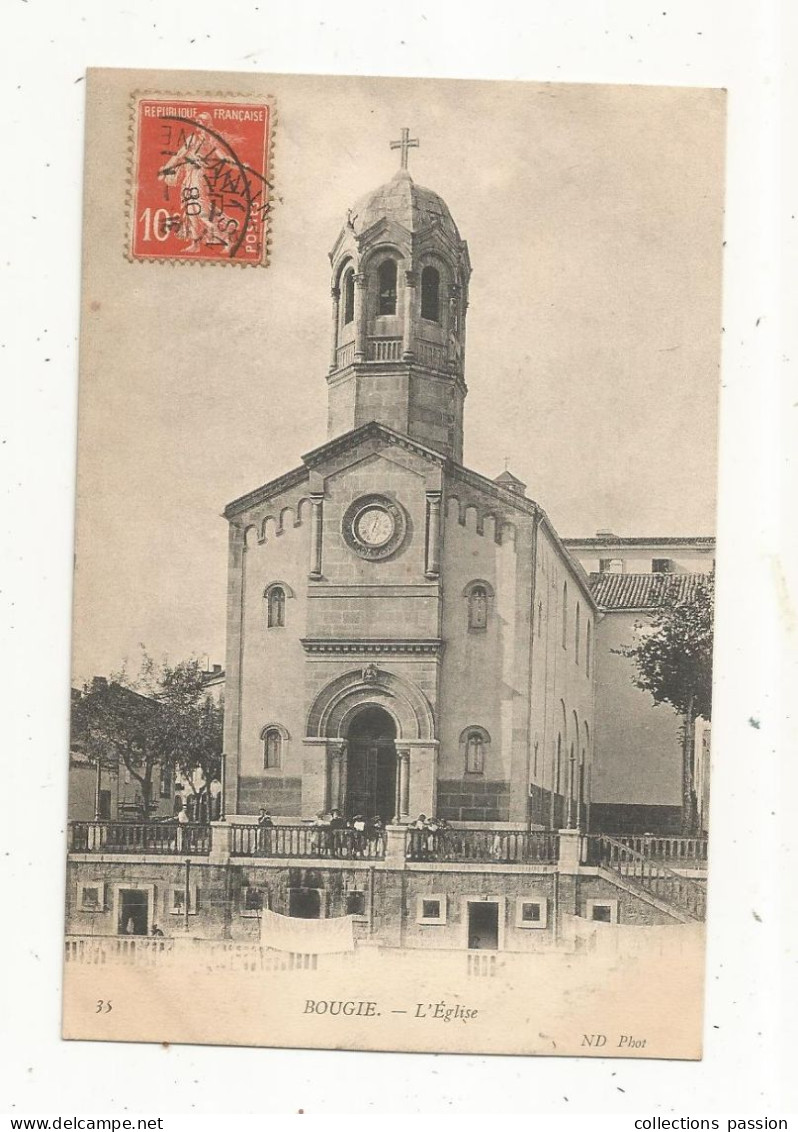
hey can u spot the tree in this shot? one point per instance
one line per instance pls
(673, 659)
(160, 718)
(194, 725)
(118, 726)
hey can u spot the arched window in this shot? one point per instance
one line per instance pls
(387, 287)
(474, 742)
(588, 642)
(475, 754)
(275, 596)
(577, 632)
(565, 615)
(430, 294)
(479, 596)
(276, 607)
(272, 739)
(349, 296)
(478, 608)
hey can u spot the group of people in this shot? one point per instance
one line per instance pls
(331, 835)
(426, 846)
(337, 836)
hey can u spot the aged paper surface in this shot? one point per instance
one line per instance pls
(440, 814)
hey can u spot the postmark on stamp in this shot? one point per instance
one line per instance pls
(201, 179)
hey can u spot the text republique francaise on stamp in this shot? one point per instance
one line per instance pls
(201, 179)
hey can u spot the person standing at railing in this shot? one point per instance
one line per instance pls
(375, 834)
(318, 839)
(182, 832)
(336, 834)
(422, 825)
(264, 838)
(433, 827)
(358, 835)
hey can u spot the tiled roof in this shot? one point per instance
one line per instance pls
(641, 591)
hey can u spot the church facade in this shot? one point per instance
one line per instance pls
(404, 635)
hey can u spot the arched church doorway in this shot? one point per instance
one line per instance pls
(371, 765)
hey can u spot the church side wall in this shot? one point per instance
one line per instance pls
(482, 685)
(562, 690)
(272, 691)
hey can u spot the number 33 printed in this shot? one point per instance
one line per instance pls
(103, 1007)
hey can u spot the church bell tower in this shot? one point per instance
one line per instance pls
(400, 275)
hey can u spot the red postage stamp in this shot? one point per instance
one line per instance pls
(201, 179)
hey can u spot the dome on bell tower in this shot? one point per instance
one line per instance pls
(405, 202)
(400, 273)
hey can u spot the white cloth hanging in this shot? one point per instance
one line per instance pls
(294, 933)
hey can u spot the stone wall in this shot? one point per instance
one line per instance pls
(473, 799)
(282, 796)
(224, 898)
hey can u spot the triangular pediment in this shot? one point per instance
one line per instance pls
(347, 462)
(376, 437)
(387, 231)
(373, 431)
(346, 242)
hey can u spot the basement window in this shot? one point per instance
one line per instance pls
(177, 903)
(252, 901)
(431, 910)
(355, 903)
(304, 903)
(531, 912)
(92, 897)
(603, 911)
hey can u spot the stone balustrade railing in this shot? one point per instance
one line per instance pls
(306, 841)
(159, 838)
(496, 846)
(223, 840)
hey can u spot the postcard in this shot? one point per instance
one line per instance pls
(394, 574)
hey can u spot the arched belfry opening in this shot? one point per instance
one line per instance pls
(371, 765)
(400, 276)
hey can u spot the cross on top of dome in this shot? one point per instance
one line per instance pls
(405, 143)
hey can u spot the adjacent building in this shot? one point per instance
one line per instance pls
(637, 781)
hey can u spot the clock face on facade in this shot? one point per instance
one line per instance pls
(374, 526)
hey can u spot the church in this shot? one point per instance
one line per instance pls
(404, 635)
(408, 639)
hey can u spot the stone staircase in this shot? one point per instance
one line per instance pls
(680, 896)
